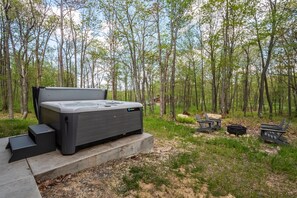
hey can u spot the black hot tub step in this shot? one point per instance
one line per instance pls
(40, 129)
(43, 136)
(40, 139)
(21, 147)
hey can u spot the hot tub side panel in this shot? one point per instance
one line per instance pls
(65, 126)
(77, 129)
(99, 125)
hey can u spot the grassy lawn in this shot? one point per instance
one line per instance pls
(15, 127)
(240, 166)
(236, 165)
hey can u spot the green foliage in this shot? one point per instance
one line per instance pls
(49, 76)
(189, 120)
(15, 127)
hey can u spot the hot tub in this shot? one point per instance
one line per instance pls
(79, 123)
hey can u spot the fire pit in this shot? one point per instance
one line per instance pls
(236, 129)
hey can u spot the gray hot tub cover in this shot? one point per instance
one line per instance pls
(80, 106)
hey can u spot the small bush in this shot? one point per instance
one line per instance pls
(188, 120)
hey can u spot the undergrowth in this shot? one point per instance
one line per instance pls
(15, 127)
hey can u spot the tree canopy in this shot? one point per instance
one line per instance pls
(218, 56)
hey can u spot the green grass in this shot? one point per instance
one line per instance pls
(226, 143)
(147, 174)
(15, 127)
(228, 168)
(230, 165)
(182, 159)
(166, 129)
(286, 162)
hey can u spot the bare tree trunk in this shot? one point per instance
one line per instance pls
(74, 40)
(195, 85)
(7, 60)
(114, 69)
(213, 82)
(225, 65)
(82, 77)
(37, 60)
(246, 81)
(18, 62)
(24, 91)
(67, 62)
(126, 86)
(3, 81)
(268, 97)
(144, 78)
(265, 64)
(289, 88)
(203, 104)
(24, 74)
(150, 88)
(172, 81)
(234, 94)
(161, 66)
(61, 67)
(92, 73)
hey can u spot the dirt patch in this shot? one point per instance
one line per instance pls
(270, 150)
(273, 182)
(105, 180)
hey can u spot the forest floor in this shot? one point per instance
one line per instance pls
(184, 163)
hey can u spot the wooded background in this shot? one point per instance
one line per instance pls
(216, 55)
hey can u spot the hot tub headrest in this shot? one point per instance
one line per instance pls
(69, 94)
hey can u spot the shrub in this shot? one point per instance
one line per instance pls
(185, 119)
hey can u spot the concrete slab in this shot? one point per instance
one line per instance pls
(12, 171)
(16, 178)
(25, 187)
(53, 164)
(3, 143)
